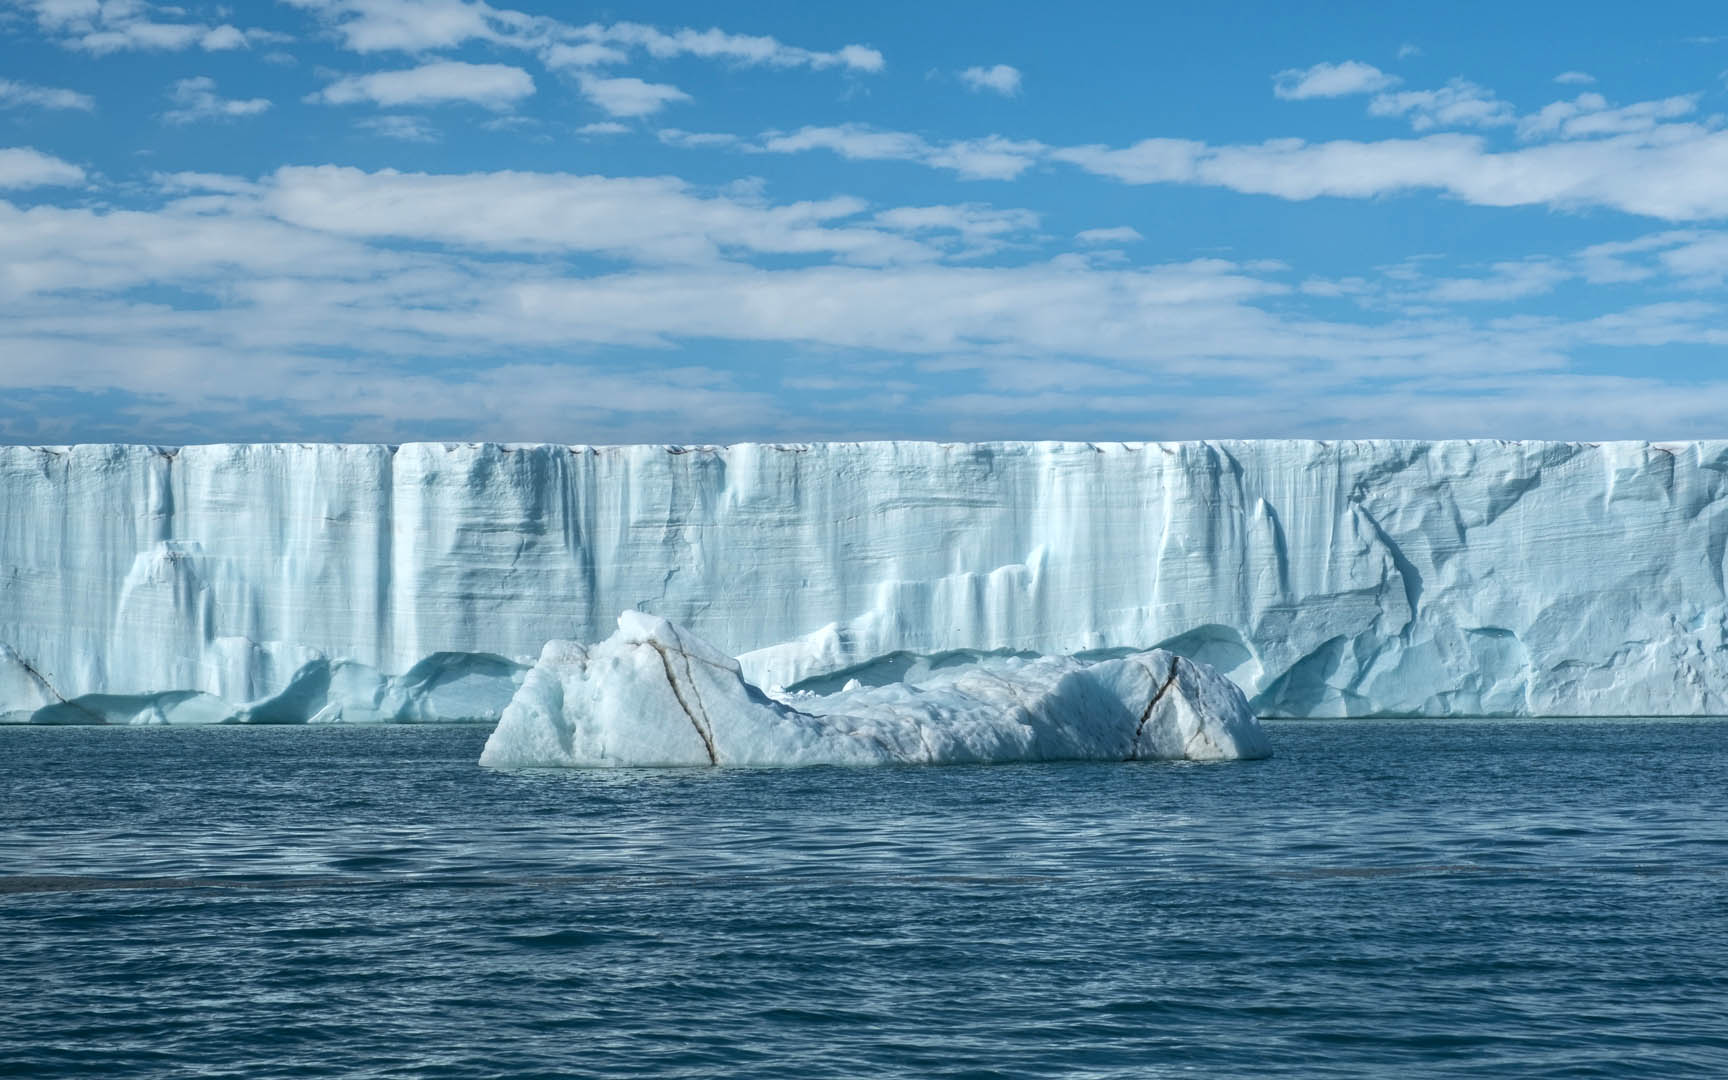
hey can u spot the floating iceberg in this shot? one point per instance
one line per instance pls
(653, 694)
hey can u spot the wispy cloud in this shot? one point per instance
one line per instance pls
(328, 291)
(109, 26)
(1460, 103)
(997, 79)
(399, 127)
(1120, 234)
(369, 26)
(490, 86)
(17, 95)
(196, 99)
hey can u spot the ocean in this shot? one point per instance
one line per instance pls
(1382, 898)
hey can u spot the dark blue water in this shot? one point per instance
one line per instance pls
(1382, 899)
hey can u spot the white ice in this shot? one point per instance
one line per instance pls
(654, 694)
(1325, 578)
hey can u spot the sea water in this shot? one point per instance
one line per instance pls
(1505, 898)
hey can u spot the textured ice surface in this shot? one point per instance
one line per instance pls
(1444, 578)
(653, 694)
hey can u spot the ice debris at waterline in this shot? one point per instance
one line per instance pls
(1325, 578)
(654, 694)
(445, 688)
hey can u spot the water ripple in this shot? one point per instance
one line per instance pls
(1530, 899)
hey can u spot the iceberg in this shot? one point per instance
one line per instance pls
(653, 694)
(1391, 578)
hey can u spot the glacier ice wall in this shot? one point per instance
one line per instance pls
(1415, 578)
(653, 694)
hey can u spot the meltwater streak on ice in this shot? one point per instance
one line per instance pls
(1444, 578)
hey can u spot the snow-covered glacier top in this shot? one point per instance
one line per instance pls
(1325, 578)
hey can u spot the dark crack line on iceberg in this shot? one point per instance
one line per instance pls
(42, 681)
(672, 681)
(1146, 714)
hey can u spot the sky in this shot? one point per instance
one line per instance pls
(672, 222)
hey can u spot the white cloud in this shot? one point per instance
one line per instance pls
(1574, 78)
(716, 44)
(420, 25)
(1120, 234)
(965, 230)
(1510, 281)
(586, 55)
(643, 220)
(109, 26)
(434, 293)
(399, 127)
(1407, 50)
(1589, 115)
(998, 79)
(14, 95)
(699, 140)
(627, 96)
(603, 127)
(1671, 172)
(1327, 80)
(491, 86)
(196, 99)
(989, 158)
(23, 167)
(1460, 103)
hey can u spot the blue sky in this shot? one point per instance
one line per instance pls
(672, 222)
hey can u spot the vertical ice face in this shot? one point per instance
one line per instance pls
(1438, 578)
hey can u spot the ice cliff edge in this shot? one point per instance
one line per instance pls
(1413, 578)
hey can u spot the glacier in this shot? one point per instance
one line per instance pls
(653, 694)
(291, 582)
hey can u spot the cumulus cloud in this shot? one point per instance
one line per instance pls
(23, 167)
(490, 86)
(17, 95)
(625, 96)
(1327, 80)
(998, 79)
(196, 99)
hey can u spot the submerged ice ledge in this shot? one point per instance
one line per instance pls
(445, 688)
(653, 694)
(1343, 578)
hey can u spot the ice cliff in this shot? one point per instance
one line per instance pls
(374, 582)
(654, 695)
